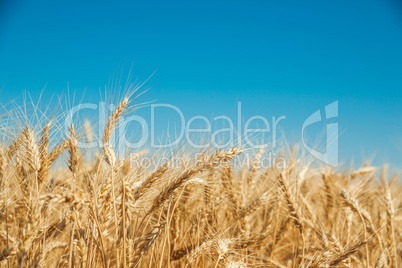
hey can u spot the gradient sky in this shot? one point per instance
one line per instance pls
(276, 57)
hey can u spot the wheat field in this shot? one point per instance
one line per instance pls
(98, 210)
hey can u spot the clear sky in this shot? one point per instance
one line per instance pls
(276, 57)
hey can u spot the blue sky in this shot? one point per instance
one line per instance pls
(276, 57)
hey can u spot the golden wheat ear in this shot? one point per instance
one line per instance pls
(73, 150)
(89, 135)
(43, 153)
(361, 172)
(57, 151)
(31, 150)
(390, 219)
(113, 119)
